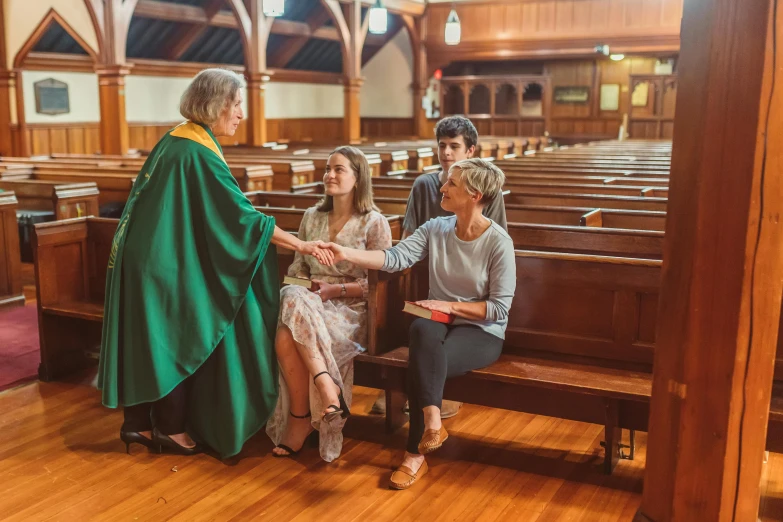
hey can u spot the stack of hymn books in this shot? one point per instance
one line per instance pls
(440, 317)
(298, 281)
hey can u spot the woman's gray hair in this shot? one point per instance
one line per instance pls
(480, 176)
(208, 94)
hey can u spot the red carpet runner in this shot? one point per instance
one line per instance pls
(19, 350)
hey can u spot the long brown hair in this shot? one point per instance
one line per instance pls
(362, 194)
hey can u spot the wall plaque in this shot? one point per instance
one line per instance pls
(577, 94)
(610, 97)
(51, 97)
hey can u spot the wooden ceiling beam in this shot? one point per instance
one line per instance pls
(187, 35)
(409, 7)
(195, 15)
(285, 53)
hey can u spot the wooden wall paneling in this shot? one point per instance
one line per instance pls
(39, 142)
(535, 22)
(388, 127)
(58, 140)
(76, 140)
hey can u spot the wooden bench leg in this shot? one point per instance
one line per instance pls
(613, 436)
(395, 417)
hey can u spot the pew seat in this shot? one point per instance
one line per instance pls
(87, 310)
(548, 374)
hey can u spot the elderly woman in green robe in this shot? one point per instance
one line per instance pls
(192, 290)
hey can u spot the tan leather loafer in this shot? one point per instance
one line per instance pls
(449, 409)
(404, 477)
(432, 440)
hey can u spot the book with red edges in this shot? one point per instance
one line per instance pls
(299, 281)
(420, 311)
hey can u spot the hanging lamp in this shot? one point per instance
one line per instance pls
(453, 29)
(379, 19)
(274, 7)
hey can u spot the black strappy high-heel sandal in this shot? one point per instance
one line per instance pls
(311, 439)
(337, 411)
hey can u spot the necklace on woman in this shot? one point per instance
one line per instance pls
(337, 226)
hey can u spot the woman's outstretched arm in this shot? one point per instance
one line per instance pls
(316, 249)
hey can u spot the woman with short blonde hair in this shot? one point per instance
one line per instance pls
(192, 290)
(472, 276)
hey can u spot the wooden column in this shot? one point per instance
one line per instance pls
(114, 126)
(352, 121)
(417, 31)
(22, 141)
(8, 111)
(12, 141)
(256, 112)
(721, 285)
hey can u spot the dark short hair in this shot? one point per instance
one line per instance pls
(453, 126)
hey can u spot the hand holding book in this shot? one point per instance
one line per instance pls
(439, 311)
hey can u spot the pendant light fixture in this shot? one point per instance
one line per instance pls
(274, 7)
(379, 19)
(453, 31)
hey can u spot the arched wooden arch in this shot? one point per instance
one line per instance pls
(51, 17)
(95, 9)
(353, 33)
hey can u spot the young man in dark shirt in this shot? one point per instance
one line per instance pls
(457, 140)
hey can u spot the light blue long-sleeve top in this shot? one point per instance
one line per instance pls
(463, 271)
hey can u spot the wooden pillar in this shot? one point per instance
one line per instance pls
(352, 121)
(22, 142)
(114, 126)
(256, 112)
(721, 284)
(8, 110)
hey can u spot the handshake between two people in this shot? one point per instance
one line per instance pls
(326, 253)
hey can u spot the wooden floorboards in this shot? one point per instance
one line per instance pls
(61, 459)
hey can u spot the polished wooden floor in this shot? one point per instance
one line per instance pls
(61, 459)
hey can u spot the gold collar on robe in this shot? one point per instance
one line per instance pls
(195, 132)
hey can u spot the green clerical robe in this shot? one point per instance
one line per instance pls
(192, 291)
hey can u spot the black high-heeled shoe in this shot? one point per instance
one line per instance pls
(337, 411)
(162, 441)
(311, 439)
(131, 437)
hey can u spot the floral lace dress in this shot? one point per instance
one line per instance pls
(334, 331)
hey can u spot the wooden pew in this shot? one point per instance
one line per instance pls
(406, 179)
(585, 200)
(62, 199)
(512, 166)
(391, 206)
(588, 217)
(112, 188)
(579, 346)
(10, 258)
(579, 343)
(289, 219)
(639, 244)
(382, 189)
(319, 159)
(541, 214)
